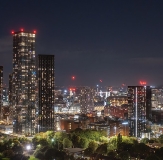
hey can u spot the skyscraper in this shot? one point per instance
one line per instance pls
(87, 100)
(139, 109)
(23, 82)
(1, 90)
(46, 92)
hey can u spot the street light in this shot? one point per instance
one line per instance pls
(115, 128)
(38, 128)
(28, 147)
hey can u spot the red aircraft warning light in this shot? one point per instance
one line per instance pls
(100, 80)
(143, 83)
(21, 29)
(34, 31)
(73, 77)
(12, 32)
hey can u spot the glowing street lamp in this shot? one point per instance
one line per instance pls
(28, 147)
(115, 129)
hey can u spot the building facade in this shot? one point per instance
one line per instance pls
(157, 105)
(5, 96)
(139, 109)
(86, 100)
(46, 79)
(23, 82)
(1, 91)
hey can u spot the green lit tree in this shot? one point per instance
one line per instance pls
(67, 143)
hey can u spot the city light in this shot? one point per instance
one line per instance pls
(143, 83)
(28, 147)
(73, 77)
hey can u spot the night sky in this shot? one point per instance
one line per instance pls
(117, 41)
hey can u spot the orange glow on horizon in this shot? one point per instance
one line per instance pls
(72, 89)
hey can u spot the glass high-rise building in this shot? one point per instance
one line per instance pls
(1, 91)
(46, 79)
(139, 109)
(23, 82)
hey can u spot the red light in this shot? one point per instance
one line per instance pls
(143, 83)
(22, 30)
(100, 80)
(73, 77)
(72, 89)
(12, 32)
(34, 32)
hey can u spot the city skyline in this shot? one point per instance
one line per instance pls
(116, 42)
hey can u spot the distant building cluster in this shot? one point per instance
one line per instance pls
(32, 102)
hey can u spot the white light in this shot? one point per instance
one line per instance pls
(125, 123)
(28, 147)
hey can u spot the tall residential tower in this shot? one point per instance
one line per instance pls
(1, 91)
(139, 109)
(46, 92)
(23, 82)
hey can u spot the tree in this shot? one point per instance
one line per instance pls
(17, 149)
(33, 158)
(161, 139)
(119, 140)
(93, 145)
(102, 149)
(84, 143)
(140, 149)
(112, 144)
(152, 157)
(75, 140)
(67, 143)
(60, 155)
(38, 154)
(91, 148)
(19, 156)
(144, 140)
(125, 147)
(112, 154)
(103, 139)
(124, 155)
(43, 142)
(8, 153)
(35, 141)
(50, 153)
(159, 152)
(50, 134)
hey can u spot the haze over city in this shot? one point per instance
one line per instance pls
(113, 41)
